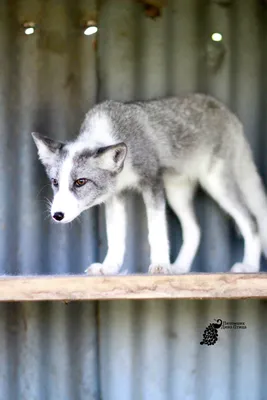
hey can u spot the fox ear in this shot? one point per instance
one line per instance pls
(47, 148)
(111, 158)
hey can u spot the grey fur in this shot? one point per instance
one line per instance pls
(194, 139)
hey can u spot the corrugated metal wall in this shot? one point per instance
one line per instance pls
(121, 350)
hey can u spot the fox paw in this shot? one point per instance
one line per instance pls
(159, 269)
(243, 268)
(179, 269)
(102, 269)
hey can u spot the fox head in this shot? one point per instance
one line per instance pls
(80, 177)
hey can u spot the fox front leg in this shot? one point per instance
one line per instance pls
(157, 230)
(116, 236)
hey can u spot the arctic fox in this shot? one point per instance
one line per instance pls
(164, 149)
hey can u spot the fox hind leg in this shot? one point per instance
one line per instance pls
(180, 191)
(221, 185)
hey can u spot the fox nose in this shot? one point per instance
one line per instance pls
(58, 216)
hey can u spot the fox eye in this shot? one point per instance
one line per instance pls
(54, 182)
(80, 182)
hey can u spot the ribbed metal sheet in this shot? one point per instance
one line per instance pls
(121, 350)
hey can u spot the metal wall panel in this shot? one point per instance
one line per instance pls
(121, 350)
(151, 350)
(142, 350)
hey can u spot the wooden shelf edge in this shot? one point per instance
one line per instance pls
(82, 287)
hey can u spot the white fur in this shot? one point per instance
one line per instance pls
(127, 178)
(157, 235)
(45, 155)
(64, 201)
(98, 132)
(212, 182)
(99, 135)
(180, 191)
(116, 234)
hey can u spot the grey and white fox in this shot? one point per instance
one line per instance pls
(164, 149)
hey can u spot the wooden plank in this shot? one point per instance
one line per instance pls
(78, 287)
